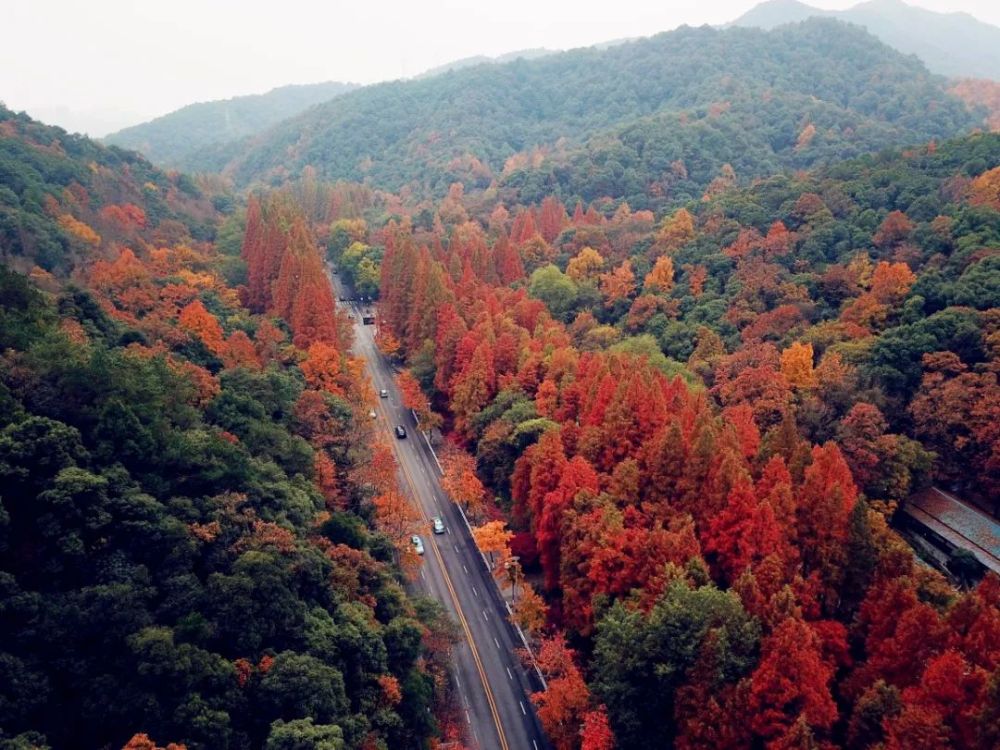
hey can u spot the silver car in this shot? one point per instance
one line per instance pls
(438, 525)
(418, 544)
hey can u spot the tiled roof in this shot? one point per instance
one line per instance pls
(960, 524)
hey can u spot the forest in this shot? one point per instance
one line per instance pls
(698, 430)
(191, 543)
(687, 319)
(577, 123)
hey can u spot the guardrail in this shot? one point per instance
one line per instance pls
(486, 566)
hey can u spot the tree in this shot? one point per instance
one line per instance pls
(554, 288)
(797, 365)
(676, 231)
(302, 734)
(891, 282)
(493, 538)
(322, 368)
(530, 610)
(791, 682)
(895, 228)
(585, 265)
(618, 285)
(661, 278)
(415, 399)
(199, 322)
(596, 731)
(564, 703)
(461, 482)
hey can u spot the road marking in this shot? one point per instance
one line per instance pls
(509, 675)
(475, 592)
(486, 616)
(455, 546)
(415, 496)
(458, 607)
(535, 744)
(467, 717)
(522, 708)
(465, 569)
(458, 682)
(422, 574)
(496, 642)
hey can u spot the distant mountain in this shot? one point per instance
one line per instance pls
(468, 62)
(951, 44)
(681, 96)
(169, 139)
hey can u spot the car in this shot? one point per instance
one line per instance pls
(372, 414)
(437, 524)
(383, 393)
(418, 544)
(400, 432)
(343, 298)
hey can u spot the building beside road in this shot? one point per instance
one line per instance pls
(947, 524)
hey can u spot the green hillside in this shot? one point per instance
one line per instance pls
(172, 138)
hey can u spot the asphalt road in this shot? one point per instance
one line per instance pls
(492, 683)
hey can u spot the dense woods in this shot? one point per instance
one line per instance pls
(692, 325)
(653, 121)
(190, 541)
(699, 429)
(186, 137)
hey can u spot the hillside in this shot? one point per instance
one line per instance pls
(699, 429)
(465, 125)
(170, 139)
(950, 44)
(468, 62)
(64, 198)
(191, 546)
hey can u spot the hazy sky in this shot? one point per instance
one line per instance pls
(98, 65)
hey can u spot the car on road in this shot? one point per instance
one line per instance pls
(437, 524)
(342, 298)
(418, 544)
(400, 432)
(372, 414)
(383, 393)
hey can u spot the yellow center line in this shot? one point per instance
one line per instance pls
(447, 580)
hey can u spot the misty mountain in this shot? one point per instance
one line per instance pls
(766, 86)
(468, 62)
(169, 139)
(951, 44)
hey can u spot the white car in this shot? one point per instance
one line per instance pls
(383, 393)
(418, 544)
(372, 414)
(437, 524)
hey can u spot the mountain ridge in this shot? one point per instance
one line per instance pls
(168, 139)
(954, 44)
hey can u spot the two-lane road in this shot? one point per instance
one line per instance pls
(492, 683)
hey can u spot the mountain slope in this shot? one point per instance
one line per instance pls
(468, 62)
(63, 195)
(187, 550)
(464, 126)
(951, 44)
(172, 137)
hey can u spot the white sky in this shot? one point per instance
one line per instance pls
(98, 65)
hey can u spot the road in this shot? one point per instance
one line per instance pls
(490, 680)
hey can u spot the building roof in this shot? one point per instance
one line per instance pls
(959, 523)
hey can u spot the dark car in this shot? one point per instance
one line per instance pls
(400, 432)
